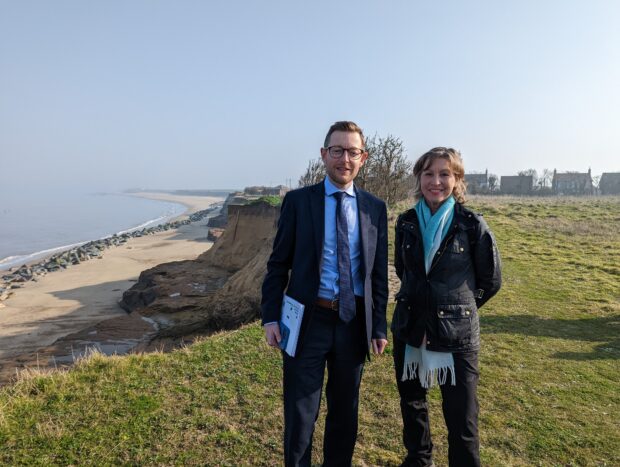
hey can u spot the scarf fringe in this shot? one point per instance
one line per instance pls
(410, 371)
(430, 376)
(440, 375)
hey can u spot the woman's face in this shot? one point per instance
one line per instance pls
(437, 182)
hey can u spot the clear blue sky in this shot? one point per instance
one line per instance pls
(203, 94)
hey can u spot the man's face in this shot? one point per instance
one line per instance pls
(343, 170)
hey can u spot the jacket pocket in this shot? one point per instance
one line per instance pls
(400, 319)
(460, 244)
(454, 324)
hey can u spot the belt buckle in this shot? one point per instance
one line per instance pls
(334, 304)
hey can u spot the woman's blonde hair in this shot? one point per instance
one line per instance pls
(456, 165)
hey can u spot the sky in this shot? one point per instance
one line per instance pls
(110, 95)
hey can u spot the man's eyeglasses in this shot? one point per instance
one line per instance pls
(337, 152)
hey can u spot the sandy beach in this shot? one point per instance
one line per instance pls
(70, 300)
(193, 203)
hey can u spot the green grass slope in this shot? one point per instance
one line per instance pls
(549, 390)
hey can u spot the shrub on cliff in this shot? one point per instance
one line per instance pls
(272, 200)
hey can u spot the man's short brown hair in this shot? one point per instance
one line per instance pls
(351, 127)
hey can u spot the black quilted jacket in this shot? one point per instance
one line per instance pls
(443, 305)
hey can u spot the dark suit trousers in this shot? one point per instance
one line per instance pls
(460, 411)
(342, 347)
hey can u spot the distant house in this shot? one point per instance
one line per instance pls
(477, 183)
(572, 183)
(516, 184)
(610, 183)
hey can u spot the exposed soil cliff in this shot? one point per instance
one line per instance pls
(218, 290)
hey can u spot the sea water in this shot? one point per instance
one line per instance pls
(33, 226)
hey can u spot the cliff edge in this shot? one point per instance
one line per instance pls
(218, 290)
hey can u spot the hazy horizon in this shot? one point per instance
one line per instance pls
(199, 95)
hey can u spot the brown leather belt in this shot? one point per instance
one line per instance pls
(329, 304)
(333, 304)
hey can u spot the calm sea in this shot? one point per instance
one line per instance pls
(32, 226)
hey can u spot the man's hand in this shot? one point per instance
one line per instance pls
(378, 346)
(272, 334)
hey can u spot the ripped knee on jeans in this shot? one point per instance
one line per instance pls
(416, 404)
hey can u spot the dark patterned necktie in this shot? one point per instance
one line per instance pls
(347, 298)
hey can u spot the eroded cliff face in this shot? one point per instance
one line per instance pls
(250, 228)
(218, 290)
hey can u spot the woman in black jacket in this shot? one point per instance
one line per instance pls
(449, 266)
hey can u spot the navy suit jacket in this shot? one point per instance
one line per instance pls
(298, 249)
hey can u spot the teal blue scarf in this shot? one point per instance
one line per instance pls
(427, 365)
(434, 227)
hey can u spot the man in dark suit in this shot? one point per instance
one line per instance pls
(332, 238)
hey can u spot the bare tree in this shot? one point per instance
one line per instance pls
(493, 182)
(387, 170)
(315, 172)
(545, 179)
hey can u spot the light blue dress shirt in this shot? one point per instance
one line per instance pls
(329, 287)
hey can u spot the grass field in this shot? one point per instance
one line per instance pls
(550, 373)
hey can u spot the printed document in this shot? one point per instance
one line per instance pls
(290, 324)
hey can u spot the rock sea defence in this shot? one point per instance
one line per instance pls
(218, 290)
(13, 279)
